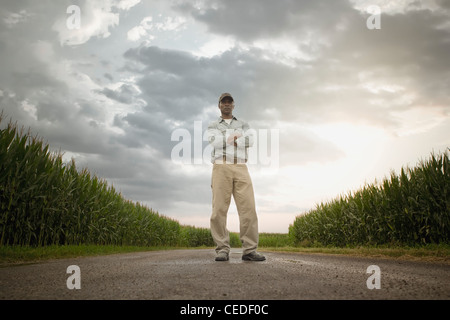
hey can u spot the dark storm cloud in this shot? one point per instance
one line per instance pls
(409, 51)
(124, 94)
(182, 85)
(250, 20)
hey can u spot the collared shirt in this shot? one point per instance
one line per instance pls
(218, 133)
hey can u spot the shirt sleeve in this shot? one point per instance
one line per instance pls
(215, 136)
(247, 138)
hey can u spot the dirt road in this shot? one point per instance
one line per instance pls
(194, 275)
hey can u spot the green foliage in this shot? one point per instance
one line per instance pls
(274, 240)
(195, 237)
(44, 201)
(410, 208)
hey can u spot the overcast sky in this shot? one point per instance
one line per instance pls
(345, 103)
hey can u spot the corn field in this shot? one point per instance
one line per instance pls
(44, 201)
(409, 208)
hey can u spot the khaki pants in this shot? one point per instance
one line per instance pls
(227, 180)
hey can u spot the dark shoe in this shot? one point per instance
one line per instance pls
(253, 256)
(222, 256)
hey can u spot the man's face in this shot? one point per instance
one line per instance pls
(226, 106)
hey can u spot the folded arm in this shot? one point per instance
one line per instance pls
(245, 138)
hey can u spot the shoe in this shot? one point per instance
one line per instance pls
(253, 256)
(222, 256)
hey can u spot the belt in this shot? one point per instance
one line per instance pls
(229, 161)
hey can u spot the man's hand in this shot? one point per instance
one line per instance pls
(232, 139)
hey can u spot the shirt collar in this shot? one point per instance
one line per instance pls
(222, 119)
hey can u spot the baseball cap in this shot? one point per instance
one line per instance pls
(224, 95)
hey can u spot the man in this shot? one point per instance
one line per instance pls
(230, 139)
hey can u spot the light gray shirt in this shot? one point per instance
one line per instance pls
(218, 133)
